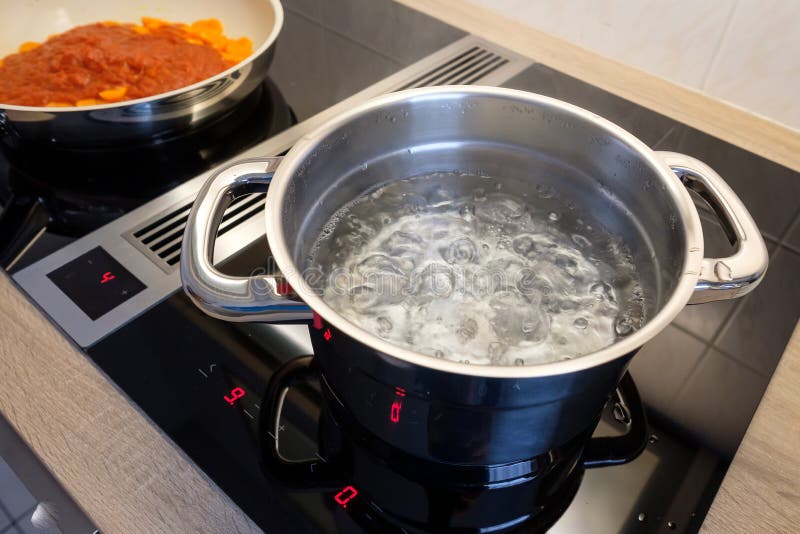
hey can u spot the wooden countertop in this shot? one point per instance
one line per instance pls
(128, 476)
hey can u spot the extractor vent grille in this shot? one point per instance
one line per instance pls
(466, 68)
(160, 238)
(468, 61)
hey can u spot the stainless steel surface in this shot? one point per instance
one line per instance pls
(524, 138)
(256, 298)
(145, 118)
(736, 275)
(162, 282)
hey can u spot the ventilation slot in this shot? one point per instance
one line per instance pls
(466, 68)
(161, 239)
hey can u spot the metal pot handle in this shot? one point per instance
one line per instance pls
(317, 474)
(255, 298)
(737, 275)
(615, 450)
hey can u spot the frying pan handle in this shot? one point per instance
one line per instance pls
(22, 222)
(616, 450)
(737, 275)
(240, 299)
(316, 474)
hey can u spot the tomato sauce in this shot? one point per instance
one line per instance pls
(109, 62)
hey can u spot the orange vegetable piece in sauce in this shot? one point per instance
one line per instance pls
(114, 94)
(208, 30)
(88, 102)
(28, 46)
(152, 23)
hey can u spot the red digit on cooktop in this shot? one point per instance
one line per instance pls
(347, 494)
(236, 393)
(107, 277)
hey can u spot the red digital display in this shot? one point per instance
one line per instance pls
(347, 494)
(236, 394)
(394, 413)
(107, 277)
(400, 392)
(317, 321)
(327, 335)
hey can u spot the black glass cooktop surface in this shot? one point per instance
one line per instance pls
(201, 380)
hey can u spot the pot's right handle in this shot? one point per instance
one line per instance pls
(737, 275)
(253, 298)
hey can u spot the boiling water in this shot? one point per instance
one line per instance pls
(452, 266)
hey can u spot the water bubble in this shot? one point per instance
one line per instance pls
(465, 362)
(381, 264)
(500, 210)
(519, 361)
(496, 351)
(363, 297)
(581, 323)
(400, 243)
(624, 325)
(545, 191)
(642, 517)
(467, 211)
(485, 247)
(568, 264)
(602, 291)
(384, 325)
(461, 251)
(434, 281)
(528, 327)
(672, 525)
(467, 329)
(479, 194)
(530, 245)
(553, 216)
(652, 439)
(581, 241)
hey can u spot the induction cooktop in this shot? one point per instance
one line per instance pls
(116, 293)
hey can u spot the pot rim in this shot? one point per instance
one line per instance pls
(277, 9)
(680, 296)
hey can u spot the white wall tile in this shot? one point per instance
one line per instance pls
(746, 52)
(758, 64)
(675, 39)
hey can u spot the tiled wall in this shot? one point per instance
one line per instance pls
(746, 52)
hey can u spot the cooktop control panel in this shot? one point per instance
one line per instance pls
(96, 282)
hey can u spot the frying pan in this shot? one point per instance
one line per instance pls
(145, 118)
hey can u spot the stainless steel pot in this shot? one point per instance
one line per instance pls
(471, 414)
(146, 118)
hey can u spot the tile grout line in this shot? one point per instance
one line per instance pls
(784, 242)
(664, 137)
(324, 26)
(722, 40)
(729, 319)
(22, 516)
(4, 512)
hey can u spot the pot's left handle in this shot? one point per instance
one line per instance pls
(254, 298)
